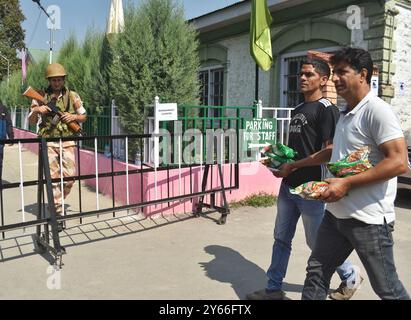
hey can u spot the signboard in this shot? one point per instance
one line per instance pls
(374, 84)
(259, 132)
(166, 112)
(402, 88)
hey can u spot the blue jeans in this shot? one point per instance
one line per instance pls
(289, 209)
(337, 238)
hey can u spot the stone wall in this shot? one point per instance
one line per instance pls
(357, 34)
(402, 57)
(241, 73)
(385, 31)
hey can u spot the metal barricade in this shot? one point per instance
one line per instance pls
(47, 223)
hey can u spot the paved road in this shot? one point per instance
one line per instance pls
(177, 257)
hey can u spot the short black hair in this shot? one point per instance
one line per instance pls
(322, 67)
(356, 58)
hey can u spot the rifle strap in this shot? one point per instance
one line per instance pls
(66, 100)
(66, 97)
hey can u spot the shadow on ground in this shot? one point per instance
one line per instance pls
(19, 246)
(229, 266)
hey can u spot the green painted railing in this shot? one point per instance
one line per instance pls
(191, 117)
(98, 124)
(208, 117)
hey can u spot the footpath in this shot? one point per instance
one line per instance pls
(171, 257)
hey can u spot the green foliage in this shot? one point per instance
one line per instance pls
(155, 56)
(11, 35)
(257, 200)
(11, 94)
(83, 67)
(36, 75)
(7, 90)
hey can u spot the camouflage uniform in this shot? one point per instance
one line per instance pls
(68, 101)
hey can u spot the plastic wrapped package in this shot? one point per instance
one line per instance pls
(352, 164)
(277, 155)
(310, 190)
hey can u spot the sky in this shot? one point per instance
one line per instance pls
(79, 15)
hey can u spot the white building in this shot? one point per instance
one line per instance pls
(228, 71)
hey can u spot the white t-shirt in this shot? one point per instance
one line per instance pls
(371, 123)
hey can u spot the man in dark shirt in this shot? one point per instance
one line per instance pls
(6, 130)
(311, 128)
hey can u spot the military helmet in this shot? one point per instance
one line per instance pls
(55, 70)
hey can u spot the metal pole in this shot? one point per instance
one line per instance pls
(51, 47)
(8, 72)
(256, 81)
(51, 31)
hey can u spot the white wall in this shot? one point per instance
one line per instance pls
(241, 73)
(241, 67)
(402, 59)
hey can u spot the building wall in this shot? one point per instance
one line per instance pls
(240, 85)
(357, 34)
(385, 33)
(241, 73)
(402, 57)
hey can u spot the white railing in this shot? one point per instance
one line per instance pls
(283, 116)
(119, 147)
(24, 117)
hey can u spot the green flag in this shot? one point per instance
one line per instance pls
(260, 39)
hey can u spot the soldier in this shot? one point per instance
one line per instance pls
(50, 126)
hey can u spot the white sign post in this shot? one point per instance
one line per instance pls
(166, 111)
(162, 112)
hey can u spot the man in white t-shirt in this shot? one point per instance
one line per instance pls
(360, 212)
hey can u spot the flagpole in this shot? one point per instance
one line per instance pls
(257, 74)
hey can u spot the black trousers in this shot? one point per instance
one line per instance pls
(336, 239)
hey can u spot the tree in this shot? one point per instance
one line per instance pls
(156, 55)
(82, 64)
(11, 34)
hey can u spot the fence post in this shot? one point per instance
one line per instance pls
(113, 114)
(13, 111)
(22, 118)
(156, 132)
(40, 206)
(259, 109)
(58, 249)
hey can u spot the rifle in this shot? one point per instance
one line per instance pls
(33, 94)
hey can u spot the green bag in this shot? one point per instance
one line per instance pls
(278, 155)
(284, 151)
